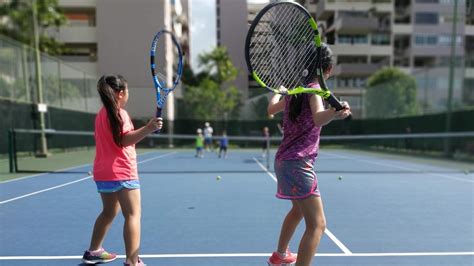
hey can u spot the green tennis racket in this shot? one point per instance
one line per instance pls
(276, 51)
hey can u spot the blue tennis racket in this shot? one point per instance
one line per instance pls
(159, 80)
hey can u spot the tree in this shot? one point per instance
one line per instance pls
(390, 93)
(209, 95)
(19, 25)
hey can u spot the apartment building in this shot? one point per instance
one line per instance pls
(114, 36)
(366, 35)
(231, 24)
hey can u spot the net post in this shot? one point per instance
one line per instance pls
(12, 151)
(268, 153)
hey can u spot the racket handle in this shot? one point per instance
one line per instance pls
(334, 102)
(158, 114)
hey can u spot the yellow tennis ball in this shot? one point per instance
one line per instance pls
(218, 177)
(89, 173)
(340, 177)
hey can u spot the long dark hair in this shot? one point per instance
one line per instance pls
(107, 86)
(296, 101)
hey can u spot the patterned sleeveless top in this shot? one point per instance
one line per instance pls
(300, 138)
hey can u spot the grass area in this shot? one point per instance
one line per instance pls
(30, 165)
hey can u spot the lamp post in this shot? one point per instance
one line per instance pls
(447, 144)
(39, 88)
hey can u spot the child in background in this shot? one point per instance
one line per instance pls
(115, 171)
(208, 137)
(303, 117)
(223, 144)
(199, 144)
(266, 142)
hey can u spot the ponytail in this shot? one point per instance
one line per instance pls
(107, 86)
(296, 101)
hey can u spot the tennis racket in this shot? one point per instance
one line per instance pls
(276, 51)
(159, 80)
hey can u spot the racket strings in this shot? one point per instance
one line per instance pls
(278, 46)
(160, 64)
(278, 49)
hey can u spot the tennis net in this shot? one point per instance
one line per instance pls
(68, 149)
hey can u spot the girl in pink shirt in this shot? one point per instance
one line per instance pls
(115, 171)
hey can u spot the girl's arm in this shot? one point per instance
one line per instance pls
(323, 116)
(135, 136)
(275, 105)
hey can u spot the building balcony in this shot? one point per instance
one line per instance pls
(469, 30)
(78, 3)
(325, 8)
(402, 29)
(75, 34)
(469, 72)
(361, 49)
(349, 91)
(356, 69)
(354, 25)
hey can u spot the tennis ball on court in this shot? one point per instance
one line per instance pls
(218, 177)
(340, 177)
(89, 173)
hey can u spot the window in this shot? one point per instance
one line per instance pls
(348, 59)
(352, 39)
(80, 19)
(446, 40)
(425, 61)
(426, 40)
(381, 39)
(424, 18)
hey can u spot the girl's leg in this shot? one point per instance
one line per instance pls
(130, 201)
(288, 227)
(313, 213)
(110, 208)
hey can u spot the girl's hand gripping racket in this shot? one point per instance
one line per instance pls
(276, 51)
(159, 80)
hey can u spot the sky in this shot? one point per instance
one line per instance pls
(203, 29)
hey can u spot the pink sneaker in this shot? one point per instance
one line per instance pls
(277, 260)
(99, 256)
(140, 263)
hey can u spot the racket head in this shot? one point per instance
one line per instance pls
(276, 46)
(159, 80)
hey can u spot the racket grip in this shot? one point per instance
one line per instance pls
(158, 114)
(334, 102)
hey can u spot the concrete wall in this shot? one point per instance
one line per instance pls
(125, 30)
(233, 30)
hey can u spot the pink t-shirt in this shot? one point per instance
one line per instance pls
(112, 162)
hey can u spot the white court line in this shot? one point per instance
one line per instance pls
(327, 232)
(60, 170)
(44, 190)
(402, 167)
(72, 182)
(248, 255)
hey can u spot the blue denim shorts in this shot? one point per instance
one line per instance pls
(114, 186)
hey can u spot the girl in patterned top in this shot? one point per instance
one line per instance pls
(304, 116)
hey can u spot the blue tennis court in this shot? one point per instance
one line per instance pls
(385, 210)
